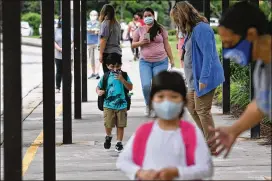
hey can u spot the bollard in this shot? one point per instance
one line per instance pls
(48, 75)
(226, 67)
(12, 86)
(67, 83)
(84, 51)
(77, 62)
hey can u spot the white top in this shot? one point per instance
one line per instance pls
(167, 149)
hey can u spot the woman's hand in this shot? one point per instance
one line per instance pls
(172, 63)
(144, 41)
(202, 86)
(101, 58)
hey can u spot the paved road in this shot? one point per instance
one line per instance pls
(31, 69)
(31, 78)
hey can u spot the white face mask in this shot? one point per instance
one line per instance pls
(167, 110)
(93, 18)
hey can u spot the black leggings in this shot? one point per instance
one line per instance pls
(135, 51)
(59, 72)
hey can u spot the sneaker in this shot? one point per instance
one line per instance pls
(97, 76)
(107, 143)
(57, 90)
(152, 114)
(92, 76)
(119, 147)
(146, 113)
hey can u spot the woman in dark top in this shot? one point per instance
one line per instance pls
(110, 33)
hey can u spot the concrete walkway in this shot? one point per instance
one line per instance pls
(86, 158)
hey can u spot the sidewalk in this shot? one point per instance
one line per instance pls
(86, 158)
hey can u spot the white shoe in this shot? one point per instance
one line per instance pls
(57, 90)
(152, 114)
(146, 113)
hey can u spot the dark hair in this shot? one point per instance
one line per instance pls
(140, 14)
(107, 13)
(156, 28)
(242, 16)
(166, 80)
(113, 59)
(59, 25)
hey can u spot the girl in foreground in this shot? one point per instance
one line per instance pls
(168, 148)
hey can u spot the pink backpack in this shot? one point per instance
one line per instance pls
(188, 133)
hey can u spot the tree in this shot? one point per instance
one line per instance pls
(31, 6)
(265, 6)
(134, 6)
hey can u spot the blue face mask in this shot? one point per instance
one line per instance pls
(148, 20)
(241, 53)
(167, 110)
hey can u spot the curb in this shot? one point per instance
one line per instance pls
(28, 43)
(31, 44)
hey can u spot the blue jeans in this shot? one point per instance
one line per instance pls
(147, 71)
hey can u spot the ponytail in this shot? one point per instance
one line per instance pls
(155, 30)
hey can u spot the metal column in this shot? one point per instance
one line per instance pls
(67, 82)
(255, 132)
(77, 62)
(84, 51)
(226, 66)
(12, 90)
(48, 68)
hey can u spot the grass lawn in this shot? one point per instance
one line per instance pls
(173, 43)
(34, 36)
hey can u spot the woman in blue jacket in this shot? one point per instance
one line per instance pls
(203, 70)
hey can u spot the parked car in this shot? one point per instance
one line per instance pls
(26, 29)
(214, 21)
(55, 25)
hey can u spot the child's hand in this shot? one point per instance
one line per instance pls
(100, 92)
(119, 76)
(148, 175)
(168, 174)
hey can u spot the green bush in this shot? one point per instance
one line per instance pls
(239, 88)
(172, 32)
(34, 20)
(239, 94)
(172, 38)
(215, 29)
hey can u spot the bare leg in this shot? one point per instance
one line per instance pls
(120, 134)
(108, 131)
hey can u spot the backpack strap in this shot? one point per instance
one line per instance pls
(125, 75)
(105, 81)
(140, 141)
(188, 133)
